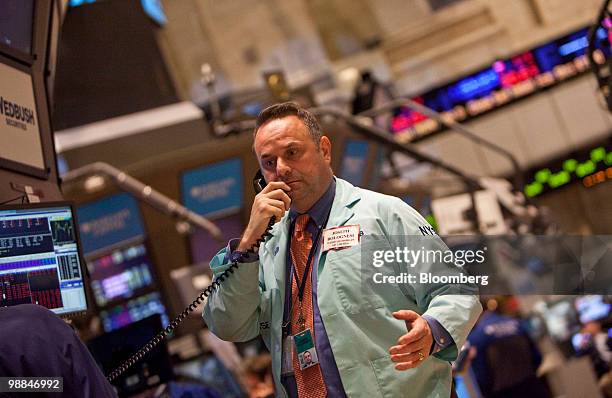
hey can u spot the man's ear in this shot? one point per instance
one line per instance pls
(325, 148)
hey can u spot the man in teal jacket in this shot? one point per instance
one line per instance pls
(352, 340)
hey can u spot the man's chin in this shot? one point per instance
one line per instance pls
(296, 192)
(298, 202)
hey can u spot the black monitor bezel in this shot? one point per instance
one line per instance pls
(84, 270)
(11, 52)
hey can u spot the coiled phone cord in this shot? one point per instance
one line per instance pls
(162, 335)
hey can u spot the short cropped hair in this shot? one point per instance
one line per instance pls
(279, 111)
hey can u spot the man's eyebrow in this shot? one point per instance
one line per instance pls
(286, 146)
(291, 143)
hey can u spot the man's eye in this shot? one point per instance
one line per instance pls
(292, 152)
(269, 163)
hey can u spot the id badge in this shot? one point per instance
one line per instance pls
(287, 358)
(306, 351)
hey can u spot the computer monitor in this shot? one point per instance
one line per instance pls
(40, 258)
(17, 24)
(120, 274)
(190, 281)
(134, 310)
(112, 349)
(110, 222)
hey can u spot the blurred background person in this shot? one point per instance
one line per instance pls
(505, 359)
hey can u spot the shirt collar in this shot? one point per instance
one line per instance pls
(319, 210)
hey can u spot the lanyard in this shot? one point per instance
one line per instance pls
(302, 284)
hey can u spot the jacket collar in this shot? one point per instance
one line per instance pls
(347, 196)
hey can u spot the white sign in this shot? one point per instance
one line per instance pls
(19, 130)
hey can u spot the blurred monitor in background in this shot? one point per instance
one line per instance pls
(133, 310)
(190, 281)
(111, 349)
(120, 274)
(16, 19)
(592, 308)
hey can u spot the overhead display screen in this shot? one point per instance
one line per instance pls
(19, 129)
(354, 161)
(502, 82)
(213, 190)
(591, 165)
(109, 222)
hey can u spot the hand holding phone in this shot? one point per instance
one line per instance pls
(271, 201)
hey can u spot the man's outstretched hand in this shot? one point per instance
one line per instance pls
(413, 347)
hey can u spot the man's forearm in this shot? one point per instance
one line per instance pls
(232, 310)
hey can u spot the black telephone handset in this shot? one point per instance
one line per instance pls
(259, 184)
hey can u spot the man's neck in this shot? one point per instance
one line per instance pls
(306, 207)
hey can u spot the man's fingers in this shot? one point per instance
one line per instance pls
(409, 361)
(418, 345)
(412, 336)
(417, 332)
(406, 315)
(277, 203)
(273, 185)
(412, 357)
(275, 211)
(281, 195)
(410, 317)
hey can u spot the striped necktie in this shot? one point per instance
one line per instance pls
(309, 381)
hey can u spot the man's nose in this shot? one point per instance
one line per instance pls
(282, 168)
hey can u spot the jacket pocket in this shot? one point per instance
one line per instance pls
(418, 382)
(265, 316)
(354, 293)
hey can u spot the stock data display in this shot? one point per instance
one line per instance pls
(39, 258)
(133, 310)
(500, 83)
(120, 274)
(591, 165)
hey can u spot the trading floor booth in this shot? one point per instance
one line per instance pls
(28, 37)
